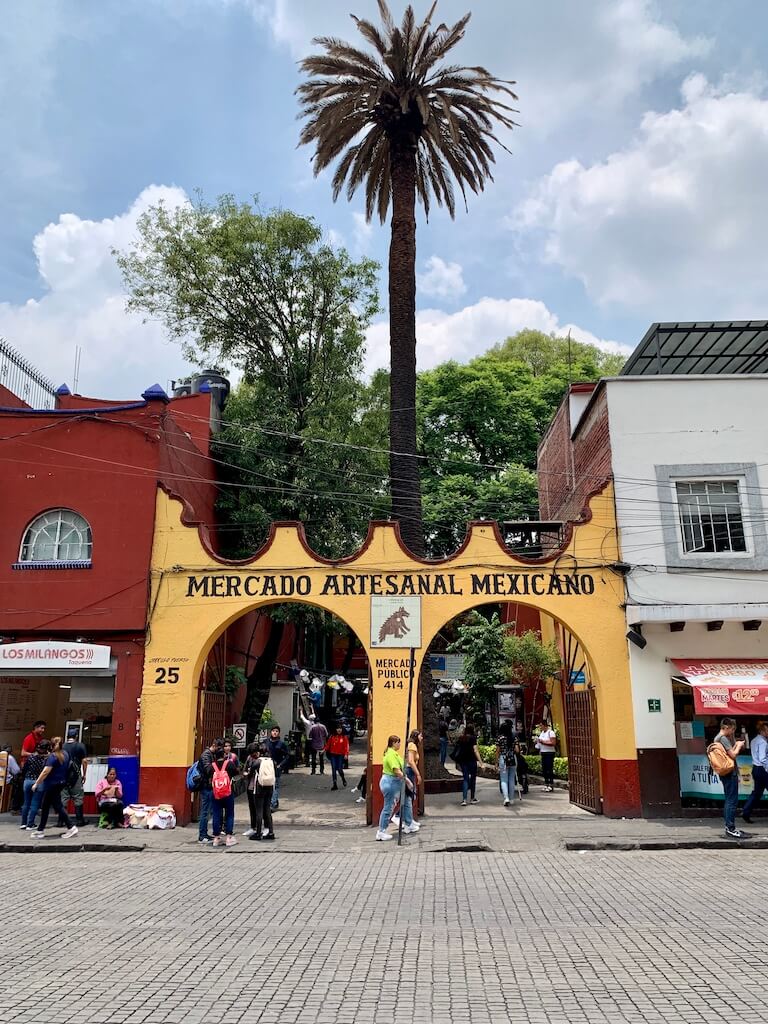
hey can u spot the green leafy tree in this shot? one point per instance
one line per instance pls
(403, 124)
(482, 642)
(550, 353)
(264, 292)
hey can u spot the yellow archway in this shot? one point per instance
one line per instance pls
(394, 602)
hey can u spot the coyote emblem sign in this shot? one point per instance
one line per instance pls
(395, 621)
(395, 625)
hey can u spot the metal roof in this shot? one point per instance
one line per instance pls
(711, 347)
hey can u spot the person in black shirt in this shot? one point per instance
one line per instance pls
(278, 750)
(74, 788)
(33, 765)
(443, 728)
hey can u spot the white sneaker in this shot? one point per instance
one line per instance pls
(22, 827)
(506, 803)
(413, 827)
(396, 821)
(264, 832)
(38, 835)
(463, 803)
(383, 836)
(249, 832)
(69, 833)
(360, 799)
(353, 790)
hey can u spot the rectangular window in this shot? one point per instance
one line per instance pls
(710, 516)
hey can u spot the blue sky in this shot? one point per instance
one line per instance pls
(636, 191)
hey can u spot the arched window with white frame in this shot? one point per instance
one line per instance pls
(59, 536)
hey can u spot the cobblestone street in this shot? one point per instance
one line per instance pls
(555, 936)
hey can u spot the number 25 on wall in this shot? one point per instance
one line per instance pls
(166, 675)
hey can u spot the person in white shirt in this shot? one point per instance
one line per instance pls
(545, 744)
(759, 750)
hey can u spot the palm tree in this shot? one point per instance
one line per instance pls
(404, 124)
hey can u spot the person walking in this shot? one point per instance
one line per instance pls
(262, 779)
(361, 787)
(278, 750)
(337, 748)
(443, 741)
(412, 772)
(32, 798)
(545, 744)
(224, 768)
(392, 775)
(52, 780)
(467, 758)
(507, 762)
(730, 780)
(74, 787)
(317, 737)
(205, 807)
(759, 751)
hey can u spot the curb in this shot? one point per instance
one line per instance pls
(630, 845)
(76, 848)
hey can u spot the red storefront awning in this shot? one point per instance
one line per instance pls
(720, 687)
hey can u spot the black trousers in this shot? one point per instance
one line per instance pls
(760, 784)
(548, 767)
(262, 809)
(314, 755)
(52, 799)
(113, 811)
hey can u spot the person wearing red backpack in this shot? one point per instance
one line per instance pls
(224, 768)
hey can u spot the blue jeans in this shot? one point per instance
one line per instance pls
(224, 808)
(31, 804)
(760, 780)
(469, 779)
(337, 767)
(390, 790)
(507, 778)
(276, 791)
(443, 749)
(731, 790)
(206, 799)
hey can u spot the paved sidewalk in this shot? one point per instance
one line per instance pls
(313, 819)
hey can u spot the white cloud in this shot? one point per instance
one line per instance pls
(567, 58)
(473, 330)
(85, 305)
(441, 280)
(363, 230)
(675, 223)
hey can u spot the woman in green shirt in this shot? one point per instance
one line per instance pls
(390, 785)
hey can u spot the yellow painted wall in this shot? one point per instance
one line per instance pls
(195, 596)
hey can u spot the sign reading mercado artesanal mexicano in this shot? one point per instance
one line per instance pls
(490, 584)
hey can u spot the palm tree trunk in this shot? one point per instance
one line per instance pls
(403, 466)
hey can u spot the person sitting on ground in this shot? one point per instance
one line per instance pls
(109, 797)
(362, 787)
(337, 748)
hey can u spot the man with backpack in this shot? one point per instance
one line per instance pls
(74, 789)
(722, 754)
(281, 755)
(205, 771)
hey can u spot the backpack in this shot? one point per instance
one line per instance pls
(73, 772)
(266, 773)
(221, 783)
(719, 761)
(194, 777)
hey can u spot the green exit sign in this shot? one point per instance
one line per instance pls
(654, 705)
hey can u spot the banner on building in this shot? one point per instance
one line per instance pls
(727, 687)
(698, 780)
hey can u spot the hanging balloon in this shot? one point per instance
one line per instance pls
(332, 684)
(316, 686)
(304, 675)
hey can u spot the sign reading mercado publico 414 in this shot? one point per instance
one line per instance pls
(53, 654)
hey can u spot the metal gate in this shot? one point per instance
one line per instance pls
(583, 764)
(211, 719)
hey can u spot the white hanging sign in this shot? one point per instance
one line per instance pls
(53, 654)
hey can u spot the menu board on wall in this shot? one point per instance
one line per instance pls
(18, 702)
